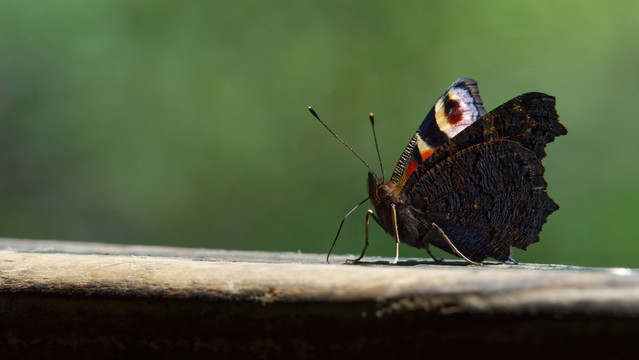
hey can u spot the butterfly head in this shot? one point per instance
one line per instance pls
(380, 191)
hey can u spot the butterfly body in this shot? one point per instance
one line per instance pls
(468, 182)
(410, 226)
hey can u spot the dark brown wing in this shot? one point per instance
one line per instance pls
(486, 198)
(529, 119)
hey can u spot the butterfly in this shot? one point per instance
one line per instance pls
(469, 182)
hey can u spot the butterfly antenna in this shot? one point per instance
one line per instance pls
(340, 140)
(372, 117)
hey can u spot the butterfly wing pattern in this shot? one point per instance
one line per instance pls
(456, 109)
(476, 177)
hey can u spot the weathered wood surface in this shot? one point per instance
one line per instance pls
(129, 300)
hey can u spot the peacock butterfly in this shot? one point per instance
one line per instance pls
(469, 182)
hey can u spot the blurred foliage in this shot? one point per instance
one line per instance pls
(185, 123)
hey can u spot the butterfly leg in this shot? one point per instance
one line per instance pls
(437, 260)
(510, 261)
(394, 215)
(453, 246)
(369, 213)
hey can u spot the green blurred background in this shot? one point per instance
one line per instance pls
(185, 123)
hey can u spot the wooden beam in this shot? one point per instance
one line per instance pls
(117, 300)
